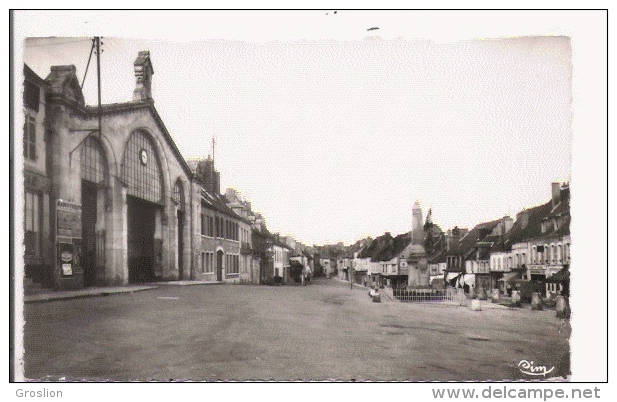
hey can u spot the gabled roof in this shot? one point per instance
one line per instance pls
(64, 86)
(262, 233)
(481, 232)
(375, 246)
(438, 257)
(149, 105)
(357, 247)
(29, 74)
(391, 247)
(217, 203)
(528, 224)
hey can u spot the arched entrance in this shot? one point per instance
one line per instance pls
(219, 265)
(142, 173)
(94, 182)
(178, 198)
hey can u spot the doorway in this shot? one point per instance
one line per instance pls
(88, 231)
(219, 265)
(141, 225)
(180, 245)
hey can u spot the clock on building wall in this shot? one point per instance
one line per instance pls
(143, 156)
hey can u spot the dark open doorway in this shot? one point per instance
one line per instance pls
(181, 245)
(219, 266)
(88, 231)
(141, 225)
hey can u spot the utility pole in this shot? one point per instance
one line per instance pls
(98, 77)
(212, 167)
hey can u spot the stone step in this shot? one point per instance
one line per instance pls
(32, 288)
(32, 285)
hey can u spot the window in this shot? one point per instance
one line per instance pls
(32, 237)
(566, 252)
(210, 226)
(236, 264)
(178, 196)
(30, 138)
(559, 254)
(203, 224)
(534, 255)
(93, 162)
(141, 168)
(231, 264)
(203, 262)
(210, 262)
(540, 250)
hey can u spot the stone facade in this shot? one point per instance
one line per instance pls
(38, 244)
(224, 245)
(117, 202)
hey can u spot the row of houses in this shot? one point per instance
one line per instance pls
(109, 199)
(502, 254)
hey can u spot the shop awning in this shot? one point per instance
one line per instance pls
(452, 275)
(470, 279)
(509, 277)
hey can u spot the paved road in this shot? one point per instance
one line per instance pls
(317, 332)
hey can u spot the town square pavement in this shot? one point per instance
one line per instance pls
(323, 331)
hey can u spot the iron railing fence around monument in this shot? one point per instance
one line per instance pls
(424, 295)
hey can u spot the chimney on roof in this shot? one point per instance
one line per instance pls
(231, 195)
(508, 222)
(143, 76)
(556, 193)
(523, 218)
(565, 192)
(210, 176)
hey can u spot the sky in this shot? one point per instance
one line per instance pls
(332, 130)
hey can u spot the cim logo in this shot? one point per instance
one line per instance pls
(527, 367)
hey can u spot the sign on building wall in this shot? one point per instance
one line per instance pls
(68, 237)
(66, 258)
(68, 220)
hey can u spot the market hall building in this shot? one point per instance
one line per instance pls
(108, 207)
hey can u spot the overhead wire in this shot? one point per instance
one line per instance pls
(59, 43)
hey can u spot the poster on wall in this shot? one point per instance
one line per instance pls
(68, 219)
(65, 257)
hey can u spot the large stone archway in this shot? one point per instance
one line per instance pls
(143, 177)
(94, 174)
